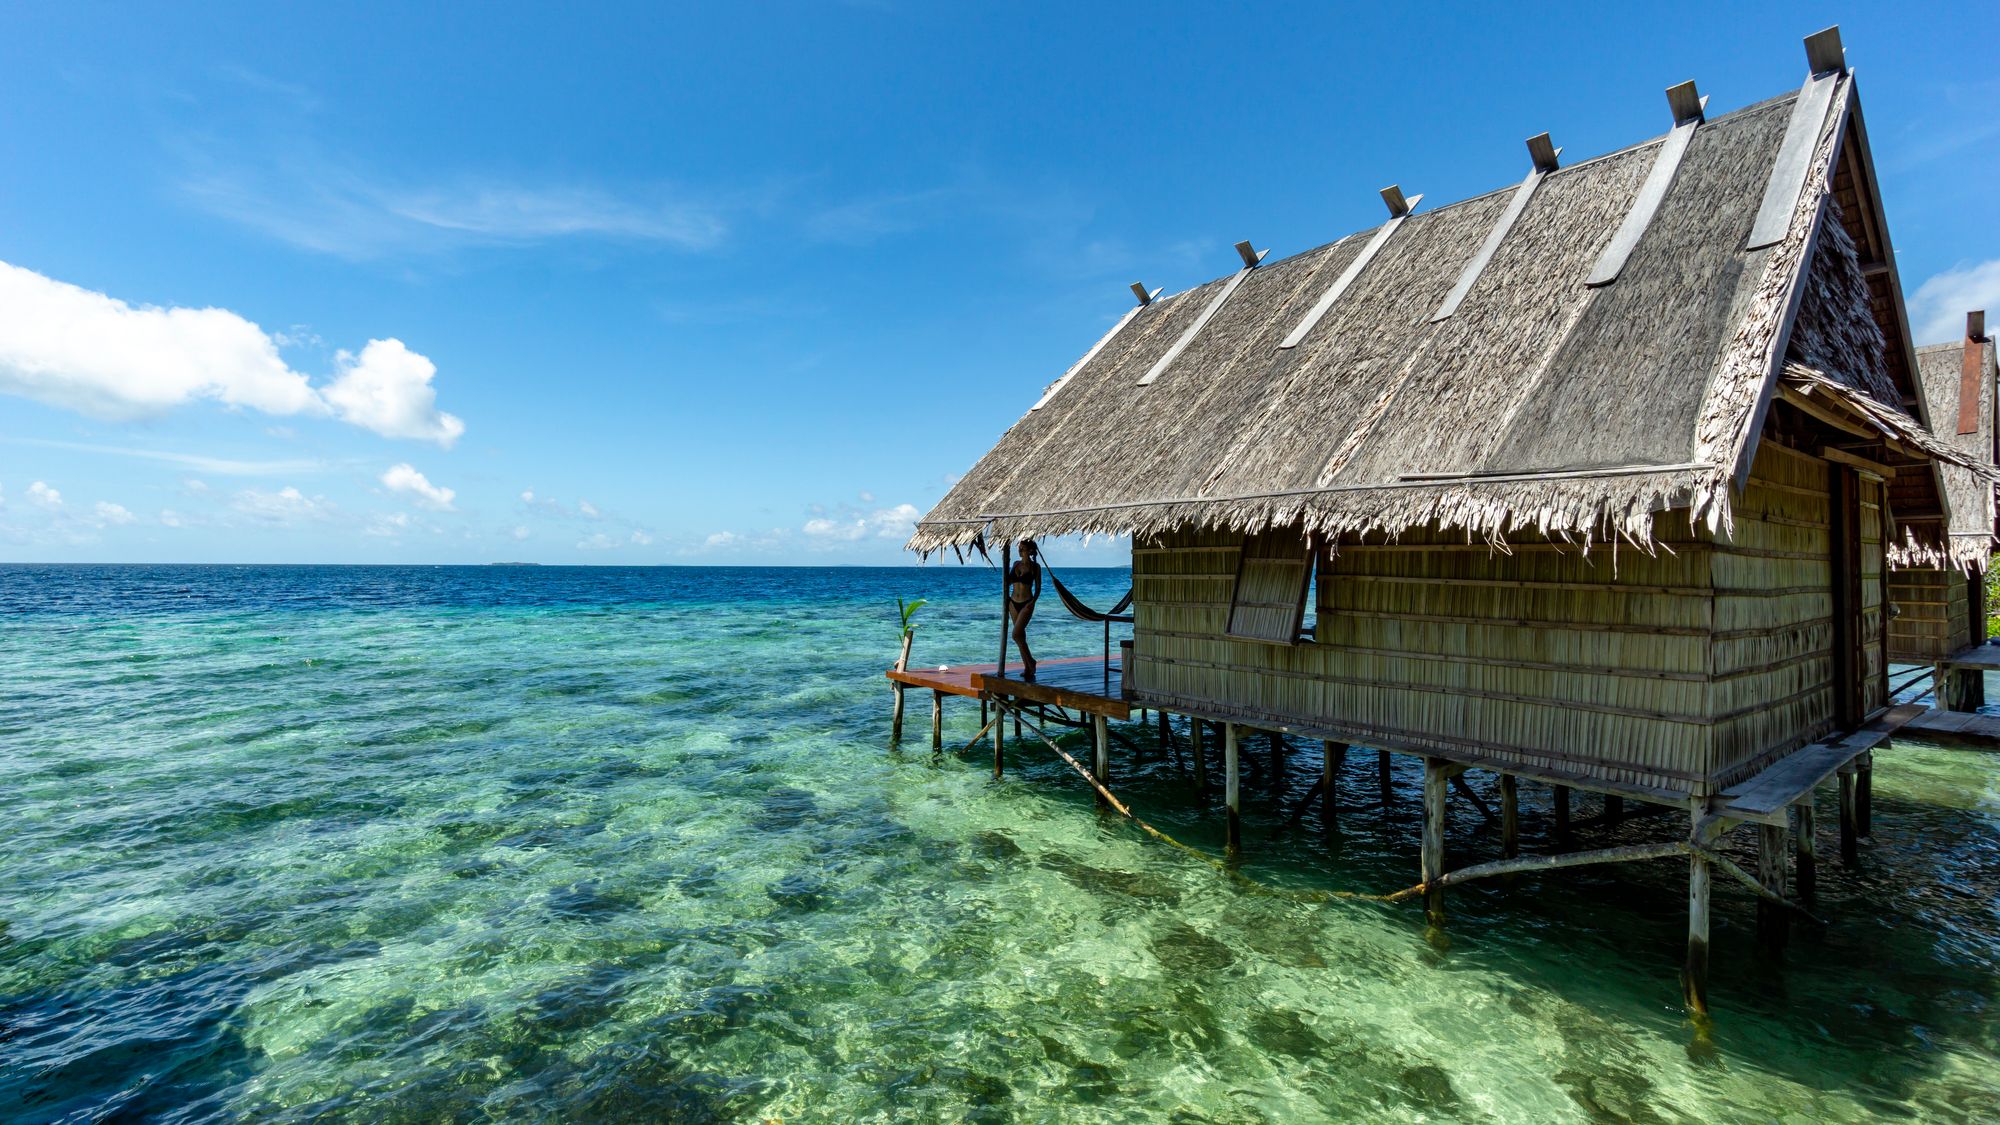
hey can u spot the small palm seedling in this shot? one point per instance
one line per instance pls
(909, 610)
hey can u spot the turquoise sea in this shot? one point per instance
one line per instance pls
(466, 844)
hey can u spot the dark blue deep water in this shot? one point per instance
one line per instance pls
(484, 843)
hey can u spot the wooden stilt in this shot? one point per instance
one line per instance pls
(1232, 786)
(1562, 812)
(1772, 920)
(1510, 817)
(1166, 730)
(1960, 689)
(1333, 755)
(1614, 808)
(1864, 794)
(896, 712)
(1388, 790)
(1196, 728)
(1694, 971)
(1436, 778)
(1278, 748)
(1850, 831)
(937, 720)
(1807, 848)
(1102, 766)
(999, 729)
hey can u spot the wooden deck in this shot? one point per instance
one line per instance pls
(1766, 796)
(1981, 657)
(1079, 683)
(1966, 730)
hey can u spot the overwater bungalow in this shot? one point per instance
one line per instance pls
(1939, 601)
(1592, 481)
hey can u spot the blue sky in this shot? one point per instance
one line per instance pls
(748, 283)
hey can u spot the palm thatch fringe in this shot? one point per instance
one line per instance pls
(1580, 508)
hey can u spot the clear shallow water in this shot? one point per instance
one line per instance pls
(424, 844)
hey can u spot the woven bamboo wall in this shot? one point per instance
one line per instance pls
(1774, 613)
(1595, 664)
(1934, 617)
(1678, 672)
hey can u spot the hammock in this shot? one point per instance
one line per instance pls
(1083, 612)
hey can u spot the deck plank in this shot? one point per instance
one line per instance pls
(1801, 771)
(1953, 728)
(1076, 682)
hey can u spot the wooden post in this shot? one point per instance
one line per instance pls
(1196, 729)
(1850, 835)
(1166, 731)
(1562, 812)
(1807, 848)
(1510, 817)
(1277, 780)
(896, 713)
(1694, 971)
(1771, 918)
(1102, 766)
(1435, 781)
(1006, 565)
(1232, 787)
(1388, 791)
(1864, 794)
(1960, 689)
(1614, 809)
(1333, 755)
(999, 727)
(937, 720)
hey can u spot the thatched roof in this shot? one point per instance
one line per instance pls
(1941, 369)
(1540, 402)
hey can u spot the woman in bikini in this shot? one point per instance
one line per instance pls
(1024, 588)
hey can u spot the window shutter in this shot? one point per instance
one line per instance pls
(1269, 603)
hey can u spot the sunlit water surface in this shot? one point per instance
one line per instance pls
(430, 844)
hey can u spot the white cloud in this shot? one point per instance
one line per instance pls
(867, 497)
(284, 507)
(44, 496)
(641, 539)
(85, 351)
(1938, 307)
(389, 526)
(722, 540)
(387, 389)
(67, 346)
(405, 478)
(521, 533)
(881, 523)
(109, 514)
(528, 496)
(597, 542)
(195, 484)
(169, 518)
(589, 510)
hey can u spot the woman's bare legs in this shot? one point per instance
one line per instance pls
(1021, 615)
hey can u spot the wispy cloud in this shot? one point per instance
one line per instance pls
(323, 204)
(220, 466)
(1938, 307)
